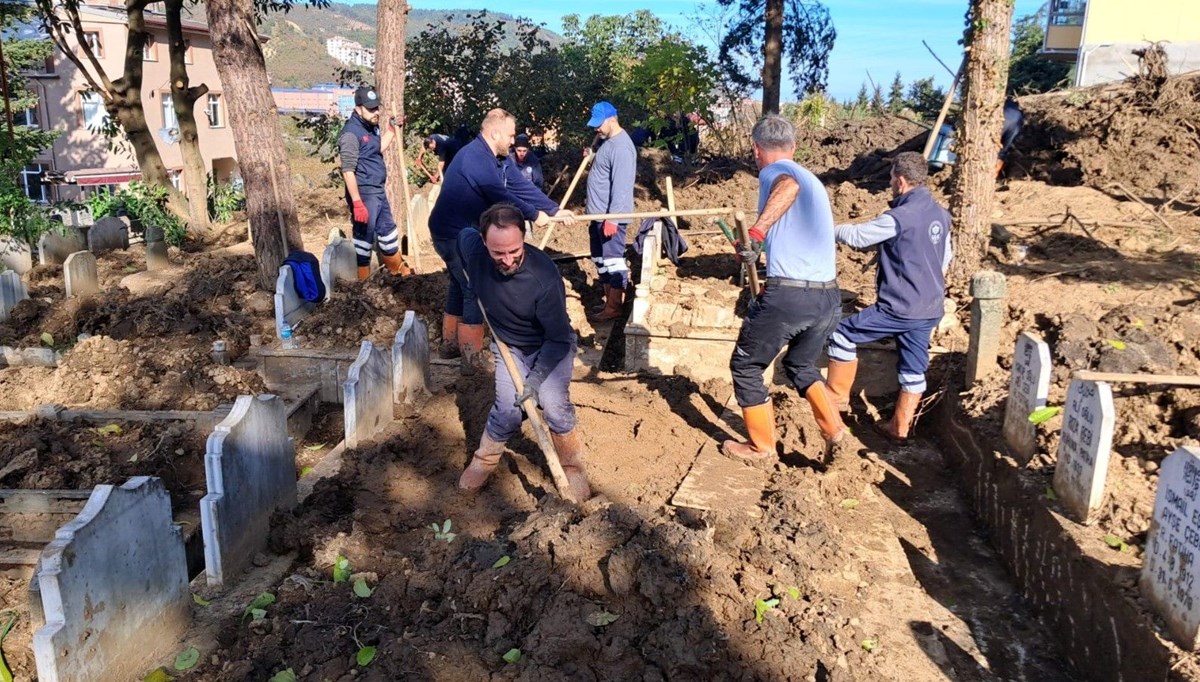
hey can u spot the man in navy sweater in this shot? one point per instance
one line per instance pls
(522, 291)
(913, 237)
(477, 179)
(526, 160)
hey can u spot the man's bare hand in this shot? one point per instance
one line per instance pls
(565, 216)
(542, 219)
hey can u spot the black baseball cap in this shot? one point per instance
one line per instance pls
(366, 97)
(522, 141)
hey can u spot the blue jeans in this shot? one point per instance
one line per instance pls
(608, 254)
(380, 225)
(460, 298)
(799, 319)
(554, 395)
(872, 324)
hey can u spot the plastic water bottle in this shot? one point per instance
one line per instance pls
(219, 355)
(287, 341)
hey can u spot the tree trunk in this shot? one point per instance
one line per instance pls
(389, 81)
(977, 140)
(772, 71)
(270, 203)
(184, 97)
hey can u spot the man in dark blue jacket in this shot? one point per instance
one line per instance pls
(363, 168)
(523, 293)
(477, 179)
(526, 161)
(913, 237)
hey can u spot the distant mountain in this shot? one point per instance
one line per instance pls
(296, 55)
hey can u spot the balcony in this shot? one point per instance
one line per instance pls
(1064, 29)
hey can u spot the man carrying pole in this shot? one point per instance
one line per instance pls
(801, 303)
(913, 237)
(610, 190)
(522, 291)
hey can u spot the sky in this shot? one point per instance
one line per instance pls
(879, 36)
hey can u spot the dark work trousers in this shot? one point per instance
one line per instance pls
(554, 395)
(460, 298)
(608, 254)
(872, 324)
(380, 226)
(800, 319)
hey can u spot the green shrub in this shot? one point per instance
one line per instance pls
(224, 199)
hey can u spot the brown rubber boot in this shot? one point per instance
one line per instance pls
(470, 345)
(614, 300)
(449, 348)
(841, 382)
(364, 271)
(896, 430)
(829, 420)
(760, 425)
(482, 464)
(596, 310)
(570, 454)
(396, 265)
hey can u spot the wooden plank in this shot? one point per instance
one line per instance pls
(314, 353)
(19, 556)
(720, 482)
(42, 501)
(1119, 377)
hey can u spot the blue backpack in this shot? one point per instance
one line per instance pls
(306, 273)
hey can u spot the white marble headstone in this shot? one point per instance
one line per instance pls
(80, 277)
(1084, 447)
(1027, 390)
(12, 292)
(367, 394)
(53, 248)
(289, 306)
(410, 360)
(1169, 569)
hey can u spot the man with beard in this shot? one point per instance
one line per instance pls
(610, 190)
(522, 291)
(477, 179)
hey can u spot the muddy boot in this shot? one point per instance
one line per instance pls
(760, 425)
(470, 345)
(614, 300)
(364, 271)
(829, 420)
(396, 265)
(570, 454)
(485, 460)
(597, 309)
(896, 430)
(841, 382)
(449, 348)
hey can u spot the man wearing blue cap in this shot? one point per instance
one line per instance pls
(610, 190)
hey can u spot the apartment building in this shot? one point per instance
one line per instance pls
(82, 160)
(350, 52)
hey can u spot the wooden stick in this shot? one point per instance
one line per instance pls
(566, 197)
(648, 214)
(414, 245)
(937, 125)
(1144, 205)
(739, 220)
(1171, 379)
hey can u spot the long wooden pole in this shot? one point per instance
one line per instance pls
(692, 212)
(739, 220)
(937, 125)
(1118, 377)
(566, 197)
(414, 241)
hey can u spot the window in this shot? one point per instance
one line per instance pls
(168, 111)
(91, 105)
(31, 182)
(150, 50)
(187, 52)
(213, 110)
(27, 118)
(92, 39)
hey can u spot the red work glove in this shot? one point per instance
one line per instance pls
(609, 227)
(757, 235)
(360, 212)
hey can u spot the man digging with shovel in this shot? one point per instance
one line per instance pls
(521, 291)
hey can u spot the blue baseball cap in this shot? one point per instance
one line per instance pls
(601, 112)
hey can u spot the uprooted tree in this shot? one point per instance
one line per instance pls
(978, 135)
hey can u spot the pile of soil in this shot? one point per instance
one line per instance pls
(374, 309)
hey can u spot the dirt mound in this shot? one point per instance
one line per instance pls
(1140, 134)
(374, 309)
(857, 150)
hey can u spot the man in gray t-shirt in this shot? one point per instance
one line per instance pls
(610, 190)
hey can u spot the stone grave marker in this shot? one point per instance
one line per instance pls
(367, 394)
(1027, 390)
(289, 307)
(107, 234)
(338, 262)
(12, 292)
(1169, 569)
(80, 277)
(250, 466)
(156, 256)
(15, 255)
(53, 248)
(410, 360)
(114, 587)
(1084, 448)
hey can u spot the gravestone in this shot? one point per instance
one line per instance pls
(421, 206)
(15, 255)
(12, 292)
(107, 234)
(289, 307)
(987, 319)
(367, 394)
(156, 256)
(114, 587)
(1084, 448)
(338, 262)
(80, 277)
(1027, 389)
(53, 248)
(1169, 569)
(410, 360)
(250, 466)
